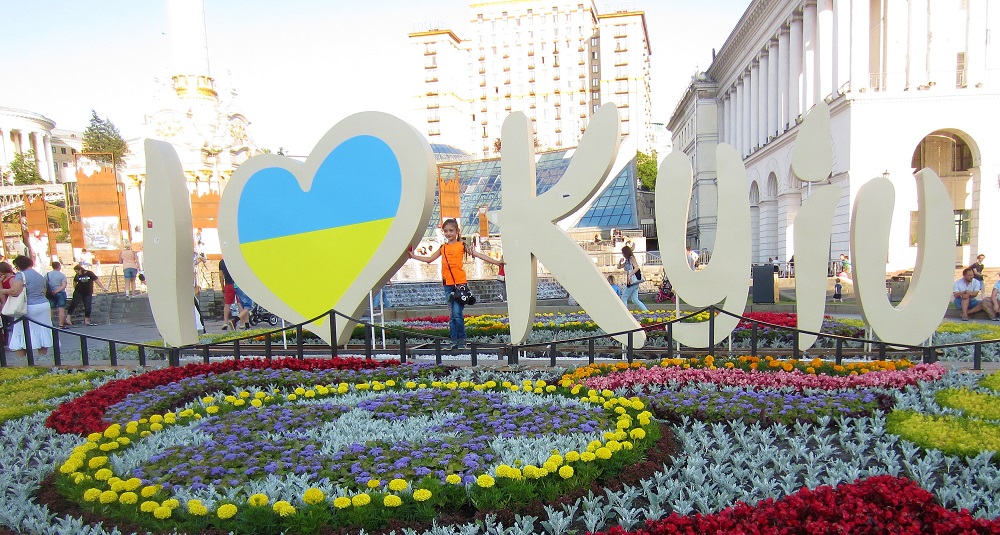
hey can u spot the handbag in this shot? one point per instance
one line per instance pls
(636, 278)
(462, 292)
(49, 294)
(16, 305)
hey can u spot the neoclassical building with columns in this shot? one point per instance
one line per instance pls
(910, 84)
(21, 131)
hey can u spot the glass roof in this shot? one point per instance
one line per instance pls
(449, 153)
(480, 186)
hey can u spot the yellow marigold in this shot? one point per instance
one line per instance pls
(96, 462)
(91, 494)
(313, 496)
(207, 399)
(486, 481)
(392, 501)
(256, 403)
(196, 508)
(94, 437)
(172, 503)
(212, 409)
(397, 485)
(283, 508)
(422, 495)
(603, 453)
(342, 502)
(113, 431)
(258, 500)
(155, 427)
(613, 445)
(374, 483)
(226, 511)
(550, 466)
(566, 472)
(156, 418)
(454, 479)
(117, 486)
(149, 491)
(162, 513)
(638, 433)
(557, 459)
(79, 478)
(103, 474)
(148, 506)
(124, 441)
(572, 456)
(361, 500)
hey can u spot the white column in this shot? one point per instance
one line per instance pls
(754, 106)
(916, 68)
(41, 157)
(747, 86)
(809, 57)
(782, 79)
(762, 98)
(794, 69)
(895, 62)
(25, 144)
(48, 155)
(841, 45)
(738, 117)
(860, 37)
(824, 41)
(975, 55)
(727, 125)
(6, 153)
(772, 88)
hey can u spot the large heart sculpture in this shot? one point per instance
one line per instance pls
(302, 238)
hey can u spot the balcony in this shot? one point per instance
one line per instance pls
(431, 79)
(430, 66)
(433, 106)
(506, 68)
(557, 91)
(482, 70)
(433, 119)
(482, 84)
(430, 52)
(432, 93)
(507, 107)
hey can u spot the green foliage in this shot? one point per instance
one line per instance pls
(646, 168)
(103, 136)
(24, 170)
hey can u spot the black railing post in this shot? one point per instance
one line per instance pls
(711, 331)
(474, 353)
(236, 350)
(333, 333)
(84, 354)
(927, 358)
(268, 347)
(27, 341)
(113, 353)
(629, 352)
(795, 344)
(552, 354)
(511, 354)
(670, 340)
(402, 348)
(206, 353)
(590, 351)
(3, 349)
(56, 350)
(298, 342)
(753, 338)
(881, 350)
(840, 351)
(437, 351)
(977, 356)
(174, 357)
(142, 355)
(368, 341)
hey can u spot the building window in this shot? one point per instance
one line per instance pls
(596, 107)
(596, 68)
(63, 150)
(960, 80)
(595, 95)
(596, 82)
(963, 227)
(593, 55)
(593, 42)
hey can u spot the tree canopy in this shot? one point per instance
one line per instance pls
(24, 169)
(646, 168)
(103, 136)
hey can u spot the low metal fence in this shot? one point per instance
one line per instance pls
(410, 343)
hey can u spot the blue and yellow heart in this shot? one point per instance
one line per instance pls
(309, 246)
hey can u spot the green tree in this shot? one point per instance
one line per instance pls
(103, 136)
(645, 166)
(24, 169)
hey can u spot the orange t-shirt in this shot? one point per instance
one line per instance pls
(451, 257)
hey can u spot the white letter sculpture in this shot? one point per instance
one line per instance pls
(725, 277)
(529, 232)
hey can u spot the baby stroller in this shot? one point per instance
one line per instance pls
(259, 314)
(666, 292)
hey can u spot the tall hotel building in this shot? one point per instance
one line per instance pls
(556, 61)
(910, 84)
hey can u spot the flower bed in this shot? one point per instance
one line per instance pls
(25, 391)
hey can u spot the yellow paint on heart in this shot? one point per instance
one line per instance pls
(311, 271)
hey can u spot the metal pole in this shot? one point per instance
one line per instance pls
(333, 332)
(753, 338)
(84, 354)
(629, 354)
(590, 351)
(977, 356)
(206, 353)
(142, 355)
(27, 340)
(552, 354)
(711, 331)
(402, 348)
(298, 342)
(113, 353)
(437, 351)
(474, 350)
(368, 341)
(56, 353)
(670, 340)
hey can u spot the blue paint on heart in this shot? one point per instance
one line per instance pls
(359, 181)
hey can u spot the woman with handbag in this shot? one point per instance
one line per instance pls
(29, 285)
(455, 282)
(6, 276)
(633, 278)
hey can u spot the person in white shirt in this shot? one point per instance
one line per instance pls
(994, 298)
(965, 291)
(692, 258)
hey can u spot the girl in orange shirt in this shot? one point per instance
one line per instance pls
(453, 273)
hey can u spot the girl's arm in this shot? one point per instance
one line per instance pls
(486, 258)
(432, 257)
(15, 287)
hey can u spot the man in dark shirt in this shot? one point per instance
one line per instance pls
(83, 290)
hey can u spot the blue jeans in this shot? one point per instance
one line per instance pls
(632, 292)
(456, 324)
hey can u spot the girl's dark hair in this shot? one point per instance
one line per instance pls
(23, 262)
(5, 268)
(627, 251)
(450, 221)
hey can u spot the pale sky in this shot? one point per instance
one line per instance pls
(299, 66)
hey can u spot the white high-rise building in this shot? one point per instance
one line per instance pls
(556, 62)
(910, 85)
